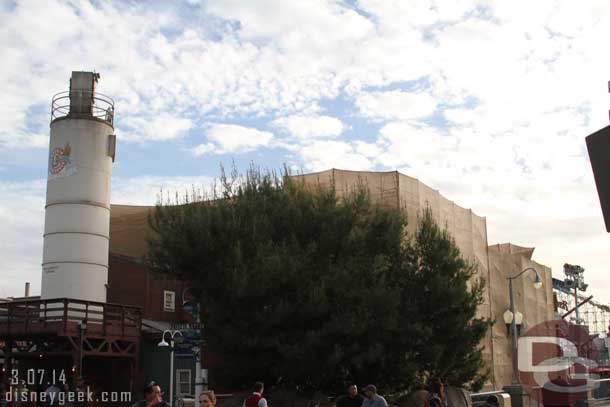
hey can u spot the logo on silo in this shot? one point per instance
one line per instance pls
(60, 162)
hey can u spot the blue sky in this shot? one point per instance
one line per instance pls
(487, 101)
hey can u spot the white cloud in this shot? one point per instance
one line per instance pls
(402, 143)
(203, 149)
(163, 126)
(22, 220)
(322, 155)
(307, 127)
(148, 190)
(520, 84)
(232, 138)
(396, 105)
(369, 150)
(313, 27)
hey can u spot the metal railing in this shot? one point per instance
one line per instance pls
(64, 316)
(79, 103)
(490, 398)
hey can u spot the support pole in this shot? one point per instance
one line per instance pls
(513, 328)
(576, 303)
(171, 374)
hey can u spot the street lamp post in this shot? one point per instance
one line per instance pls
(513, 324)
(163, 344)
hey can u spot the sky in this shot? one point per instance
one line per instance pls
(488, 102)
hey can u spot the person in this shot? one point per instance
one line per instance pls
(64, 400)
(256, 399)
(52, 395)
(153, 397)
(436, 393)
(372, 399)
(81, 393)
(3, 397)
(351, 399)
(207, 399)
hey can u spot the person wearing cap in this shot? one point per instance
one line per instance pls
(153, 397)
(372, 399)
(352, 399)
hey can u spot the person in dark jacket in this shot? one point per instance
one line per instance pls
(351, 399)
(3, 397)
(153, 397)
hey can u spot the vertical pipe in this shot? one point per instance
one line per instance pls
(27, 289)
(80, 354)
(576, 303)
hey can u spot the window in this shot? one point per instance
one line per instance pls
(183, 382)
(169, 301)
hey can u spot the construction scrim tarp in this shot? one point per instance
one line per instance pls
(536, 305)
(494, 263)
(129, 230)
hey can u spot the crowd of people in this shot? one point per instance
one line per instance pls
(369, 397)
(153, 396)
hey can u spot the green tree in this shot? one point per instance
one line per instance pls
(312, 290)
(449, 295)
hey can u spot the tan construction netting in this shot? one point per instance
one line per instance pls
(129, 229)
(494, 263)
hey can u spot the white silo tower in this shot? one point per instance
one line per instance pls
(77, 212)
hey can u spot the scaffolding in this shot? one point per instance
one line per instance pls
(594, 315)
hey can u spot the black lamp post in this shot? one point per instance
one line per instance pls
(513, 325)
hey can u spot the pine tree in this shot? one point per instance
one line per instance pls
(451, 294)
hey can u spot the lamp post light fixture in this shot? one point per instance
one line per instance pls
(508, 320)
(164, 344)
(513, 320)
